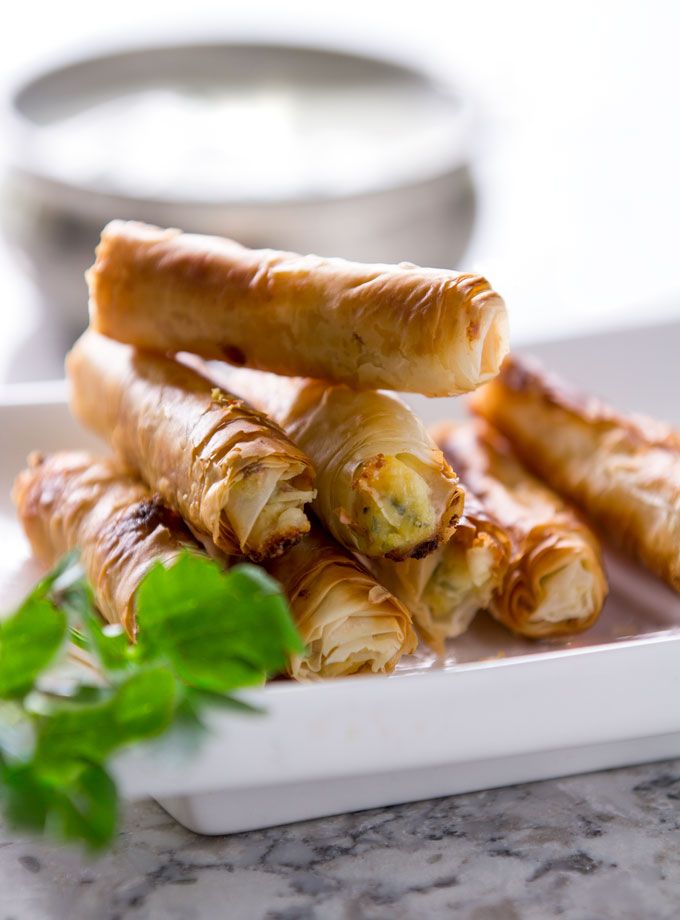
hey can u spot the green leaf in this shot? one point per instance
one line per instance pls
(218, 630)
(206, 699)
(84, 808)
(203, 633)
(25, 796)
(78, 638)
(72, 594)
(66, 570)
(31, 637)
(45, 699)
(29, 641)
(144, 704)
(109, 644)
(141, 707)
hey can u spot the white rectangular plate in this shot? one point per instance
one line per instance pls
(497, 710)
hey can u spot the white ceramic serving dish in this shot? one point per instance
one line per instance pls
(498, 710)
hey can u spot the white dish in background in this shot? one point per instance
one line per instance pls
(302, 148)
(498, 710)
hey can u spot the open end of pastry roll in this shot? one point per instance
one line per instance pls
(229, 471)
(480, 356)
(395, 506)
(446, 589)
(74, 500)
(384, 488)
(462, 584)
(557, 589)
(262, 508)
(555, 584)
(349, 623)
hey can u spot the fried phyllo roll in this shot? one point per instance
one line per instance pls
(384, 488)
(624, 472)
(349, 623)
(76, 501)
(401, 327)
(228, 470)
(446, 589)
(555, 584)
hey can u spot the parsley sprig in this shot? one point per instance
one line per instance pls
(203, 634)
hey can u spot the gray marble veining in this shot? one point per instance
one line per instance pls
(591, 847)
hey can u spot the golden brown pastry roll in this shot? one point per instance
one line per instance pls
(349, 623)
(401, 327)
(75, 501)
(384, 488)
(624, 472)
(555, 584)
(228, 470)
(446, 589)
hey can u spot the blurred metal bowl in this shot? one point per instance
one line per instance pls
(410, 199)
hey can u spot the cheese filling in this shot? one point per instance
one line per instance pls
(461, 585)
(394, 505)
(264, 504)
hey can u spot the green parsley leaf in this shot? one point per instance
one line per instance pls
(141, 707)
(108, 642)
(29, 641)
(84, 809)
(218, 630)
(205, 699)
(203, 634)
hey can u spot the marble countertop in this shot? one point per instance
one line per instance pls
(591, 847)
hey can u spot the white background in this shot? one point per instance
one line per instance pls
(579, 224)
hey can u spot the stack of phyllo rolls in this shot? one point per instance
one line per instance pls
(299, 458)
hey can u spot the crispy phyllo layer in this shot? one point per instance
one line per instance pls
(230, 472)
(349, 623)
(623, 471)
(446, 589)
(73, 500)
(384, 488)
(401, 327)
(555, 583)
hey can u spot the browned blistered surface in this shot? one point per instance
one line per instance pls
(76, 501)
(401, 327)
(193, 444)
(623, 471)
